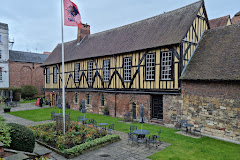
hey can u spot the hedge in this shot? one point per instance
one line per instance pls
(76, 150)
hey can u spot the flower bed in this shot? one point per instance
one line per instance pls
(76, 141)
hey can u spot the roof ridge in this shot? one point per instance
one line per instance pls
(144, 19)
(26, 52)
(220, 17)
(223, 27)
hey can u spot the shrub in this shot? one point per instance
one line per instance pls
(5, 134)
(76, 150)
(29, 91)
(22, 138)
(16, 93)
(2, 119)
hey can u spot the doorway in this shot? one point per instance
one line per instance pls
(157, 107)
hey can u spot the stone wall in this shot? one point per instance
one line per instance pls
(21, 74)
(172, 105)
(215, 105)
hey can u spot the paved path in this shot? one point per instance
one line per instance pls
(120, 150)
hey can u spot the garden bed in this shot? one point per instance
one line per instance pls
(77, 140)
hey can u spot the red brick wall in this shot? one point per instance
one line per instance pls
(21, 74)
(123, 102)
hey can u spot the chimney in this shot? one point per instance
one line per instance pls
(83, 31)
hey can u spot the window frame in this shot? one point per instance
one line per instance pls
(106, 70)
(88, 98)
(76, 73)
(171, 76)
(76, 98)
(54, 74)
(102, 100)
(154, 67)
(47, 75)
(1, 73)
(124, 69)
(90, 72)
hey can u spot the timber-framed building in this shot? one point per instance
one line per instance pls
(125, 67)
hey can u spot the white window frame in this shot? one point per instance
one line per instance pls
(90, 71)
(1, 74)
(54, 74)
(106, 69)
(127, 64)
(150, 66)
(76, 72)
(166, 65)
(47, 75)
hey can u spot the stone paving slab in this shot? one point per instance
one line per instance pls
(120, 150)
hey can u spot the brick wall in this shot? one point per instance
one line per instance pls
(215, 105)
(21, 74)
(124, 102)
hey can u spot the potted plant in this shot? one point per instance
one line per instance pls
(67, 105)
(106, 111)
(7, 109)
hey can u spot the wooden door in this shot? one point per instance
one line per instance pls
(157, 107)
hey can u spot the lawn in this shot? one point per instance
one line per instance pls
(182, 147)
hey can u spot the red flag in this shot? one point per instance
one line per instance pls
(72, 16)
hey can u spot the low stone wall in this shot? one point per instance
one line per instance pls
(215, 105)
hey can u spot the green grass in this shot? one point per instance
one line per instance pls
(182, 147)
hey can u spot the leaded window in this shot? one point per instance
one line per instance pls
(90, 71)
(76, 98)
(166, 65)
(54, 74)
(150, 66)
(106, 68)
(88, 98)
(76, 72)
(102, 101)
(0, 74)
(127, 64)
(47, 75)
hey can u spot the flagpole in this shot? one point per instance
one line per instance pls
(63, 77)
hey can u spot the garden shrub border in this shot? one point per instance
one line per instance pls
(85, 147)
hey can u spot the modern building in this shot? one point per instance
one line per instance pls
(122, 68)
(219, 22)
(18, 68)
(4, 56)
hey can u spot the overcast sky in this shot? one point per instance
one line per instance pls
(35, 25)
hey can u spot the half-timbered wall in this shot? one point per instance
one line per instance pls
(181, 53)
(116, 80)
(193, 35)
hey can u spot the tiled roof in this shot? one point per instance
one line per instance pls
(217, 56)
(20, 56)
(161, 30)
(236, 18)
(219, 22)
